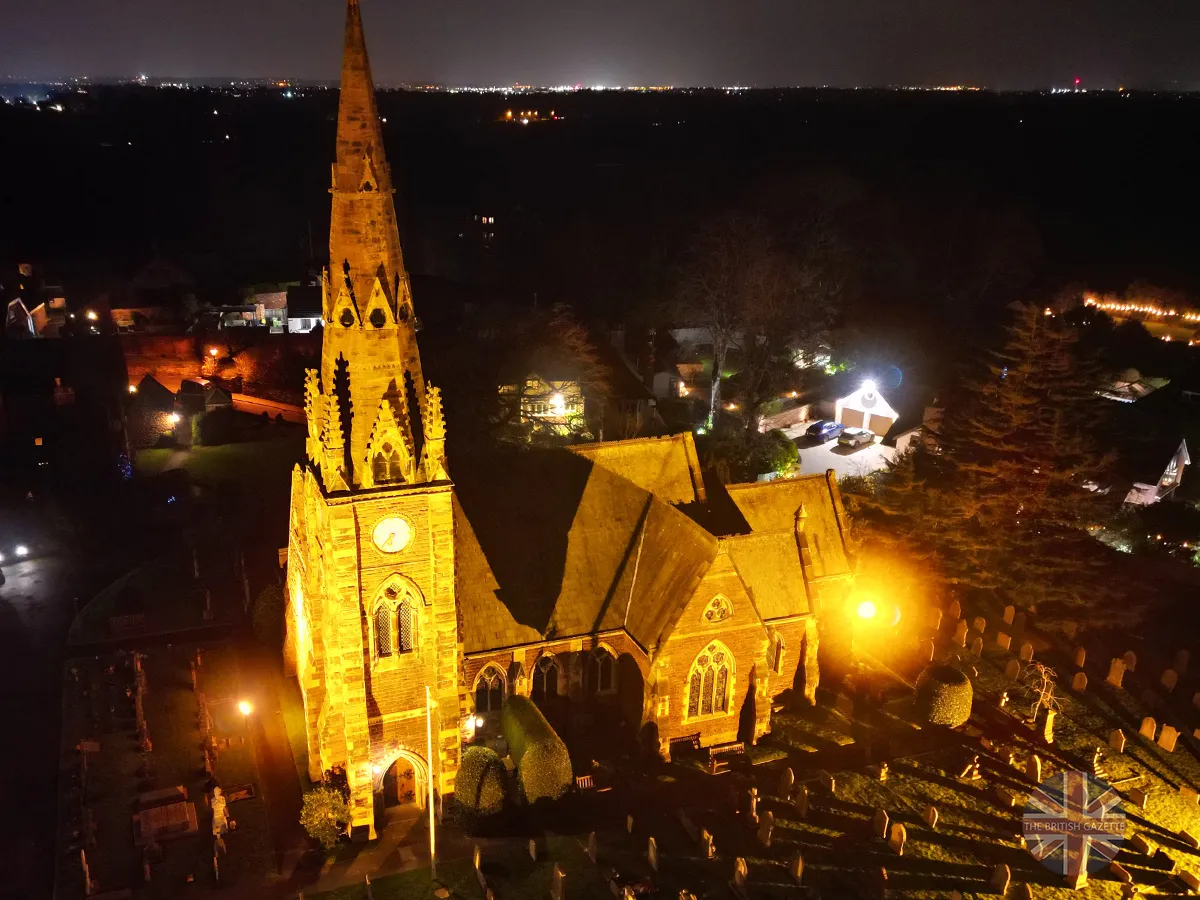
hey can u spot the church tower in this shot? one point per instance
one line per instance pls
(372, 618)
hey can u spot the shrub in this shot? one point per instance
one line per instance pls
(543, 765)
(266, 615)
(325, 815)
(944, 696)
(480, 785)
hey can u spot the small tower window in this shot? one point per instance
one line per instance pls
(404, 628)
(383, 632)
(346, 318)
(378, 319)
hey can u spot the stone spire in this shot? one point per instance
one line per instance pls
(369, 347)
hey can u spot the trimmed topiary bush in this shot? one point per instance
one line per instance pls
(944, 696)
(543, 764)
(480, 785)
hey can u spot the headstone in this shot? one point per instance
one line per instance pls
(1120, 872)
(706, 844)
(1167, 738)
(1024, 891)
(477, 856)
(786, 779)
(1148, 728)
(1169, 679)
(1190, 880)
(533, 849)
(931, 816)
(796, 867)
(1116, 673)
(1139, 844)
(1048, 726)
(558, 883)
(977, 646)
(1116, 740)
(1004, 797)
(1026, 652)
(1182, 658)
(1080, 657)
(1009, 612)
(896, 838)
(1189, 794)
(1003, 640)
(629, 824)
(1079, 682)
(925, 650)
(652, 852)
(1130, 660)
(954, 611)
(1138, 797)
(960, 633)
(1012, 670)
(766, 829)
(1196, 734)
(800, 801)
(1196, 699)
(979, 623)
(933, 618)
(739, 875)
(1000, 879)
(593, 849)
(752, 805)
(1190, 839)
(879, 824)
(1033, 769)
(827, 781)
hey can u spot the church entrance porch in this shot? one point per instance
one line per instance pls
(400, 785)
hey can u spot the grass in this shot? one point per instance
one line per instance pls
(247, 464)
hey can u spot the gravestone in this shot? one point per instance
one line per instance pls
(1190, 881)
(1026, 652)
(1138, 797)
(925, 650)
(954, 611)
(879, 824)
(477, 856)
(1120, 872)
(752, 806)
(896, 838)
(1182, 658)
(706, 844)
(1116, 673)
(1188, 794)
(1130, 660)
(1012, 670)
(977, 646)
(796, 867)
(739, 876)
(1009, 612)
(1024, 892)
(786, 779)
(1079, 682)
(1139, 844)
(652, 852)
(533, 849)
(593, 847)
(1000, 879)
(1080, 657)
(1003, 640)
(1148, 727)
(827, 781)
(1196, 734)
(766, 829)
(931, 816)
(1190, 839)
(960, 633)
(1167, 738)
(629, 824)
(1169, 679)
(558, 883)
(979, 623)
(1048, 726)
(1196, 700)
(933, 618)
(1004, 797)
(800, 801)
(1033, 769)
(1116, 740)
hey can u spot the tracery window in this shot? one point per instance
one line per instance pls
(604, 669)
(709, 681)
(383, 631)
(718, 610)
(545, 679)
(394, 621)
(405, 639)
(489, 691)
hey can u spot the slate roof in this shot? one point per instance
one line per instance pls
(768, 566)
(666, 466)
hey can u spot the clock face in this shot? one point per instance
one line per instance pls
(391, 535)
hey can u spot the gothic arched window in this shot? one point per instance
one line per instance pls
(395, 473)
(604, 672)
(489, 691)
(379, 466)
(405, 636)
(545, 679)
(383, 631)
(709, 681)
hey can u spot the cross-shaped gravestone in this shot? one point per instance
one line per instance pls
(706, 844)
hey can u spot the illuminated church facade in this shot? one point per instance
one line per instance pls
(607, 581)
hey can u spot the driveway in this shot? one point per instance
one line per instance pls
(845, 461)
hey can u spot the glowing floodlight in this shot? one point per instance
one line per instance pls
(866, 610)
(244, 707)
(868, 386)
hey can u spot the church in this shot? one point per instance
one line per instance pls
(612, 583)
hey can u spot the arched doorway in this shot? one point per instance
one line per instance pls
(401, 782)
(400, 785)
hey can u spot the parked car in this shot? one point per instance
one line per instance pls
(856, 437)
(824, 430)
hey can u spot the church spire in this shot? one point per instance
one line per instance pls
(369, 346)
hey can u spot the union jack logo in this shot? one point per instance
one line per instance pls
(1073, 823)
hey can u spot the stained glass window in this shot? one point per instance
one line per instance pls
(404, 627)
(708, 683)
(383, 632)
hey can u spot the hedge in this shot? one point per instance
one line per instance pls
(944, 696)
(480, 785)
(543, 764)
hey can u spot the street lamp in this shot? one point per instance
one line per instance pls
(245, 708)
(213, 351)
(91, 315)
(866, 610)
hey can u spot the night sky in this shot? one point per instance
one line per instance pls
(997, 43)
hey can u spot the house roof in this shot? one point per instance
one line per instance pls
(666, 466)
(560, 546)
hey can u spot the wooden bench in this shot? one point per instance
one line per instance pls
(688, 743)
(717, 756)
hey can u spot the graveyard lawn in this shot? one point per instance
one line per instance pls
(116, 778)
